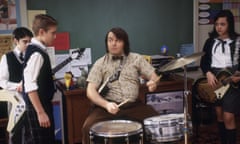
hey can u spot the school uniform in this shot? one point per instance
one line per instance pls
(38, 76)
(224, 55)
(219, 56)
(10, 77)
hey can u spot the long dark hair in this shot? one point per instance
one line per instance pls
(121, 35)
(231, 26)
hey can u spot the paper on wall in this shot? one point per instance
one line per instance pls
(51, 53)
(59, 58)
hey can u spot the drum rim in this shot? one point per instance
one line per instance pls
(169, 139)
(175, 118)
(116, 135)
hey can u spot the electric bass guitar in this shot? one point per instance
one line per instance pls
(225, 81)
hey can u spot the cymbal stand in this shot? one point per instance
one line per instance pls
(185, 108)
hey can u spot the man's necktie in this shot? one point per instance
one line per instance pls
(220, 42)
(21, 56)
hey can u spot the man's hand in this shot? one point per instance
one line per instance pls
(112, 107)
(152, 85)
(43, 119)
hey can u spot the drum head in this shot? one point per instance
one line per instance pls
(116, 128)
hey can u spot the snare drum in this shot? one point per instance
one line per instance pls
(116, 130)
(164, 128)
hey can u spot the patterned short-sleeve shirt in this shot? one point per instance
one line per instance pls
(127, 86)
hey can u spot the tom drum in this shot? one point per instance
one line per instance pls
(119, 131)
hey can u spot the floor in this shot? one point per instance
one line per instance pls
(205, 127)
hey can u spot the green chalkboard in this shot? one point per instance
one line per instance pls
(149, 23)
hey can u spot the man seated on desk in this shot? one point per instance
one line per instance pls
(121, 68)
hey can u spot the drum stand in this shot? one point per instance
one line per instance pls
(177, 63)
(185, 108)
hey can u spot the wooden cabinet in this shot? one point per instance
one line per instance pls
(76, 108)
(77, 105)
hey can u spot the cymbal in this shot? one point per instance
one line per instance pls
(180, 62)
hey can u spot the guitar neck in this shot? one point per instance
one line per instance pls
(74, 55)
(229, 79)
(61, 65)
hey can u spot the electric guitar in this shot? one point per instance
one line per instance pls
(104, 89)
(18, 107)
(76, 54)
(225, 81)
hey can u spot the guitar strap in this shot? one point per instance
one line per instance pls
(117, 72)
(115, 76)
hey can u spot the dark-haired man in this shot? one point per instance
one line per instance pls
(127, 67)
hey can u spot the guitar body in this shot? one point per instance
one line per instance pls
(222, 86)
(220, 92)
(210, 95)
(18, 107)
(223, 75)
(204, 90)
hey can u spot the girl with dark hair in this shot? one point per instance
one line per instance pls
(221, 55)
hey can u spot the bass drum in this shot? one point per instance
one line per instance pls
(204, 92)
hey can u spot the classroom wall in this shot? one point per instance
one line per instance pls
(149, 23)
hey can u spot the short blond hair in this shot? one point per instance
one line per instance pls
(43, 21)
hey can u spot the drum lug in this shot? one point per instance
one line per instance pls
(127, 140)
(91, 138)
(141, 138)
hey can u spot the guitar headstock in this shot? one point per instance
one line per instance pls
(75, 54)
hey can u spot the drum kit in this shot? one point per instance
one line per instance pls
(168, 128)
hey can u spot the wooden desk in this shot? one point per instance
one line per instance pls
(77, 105)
